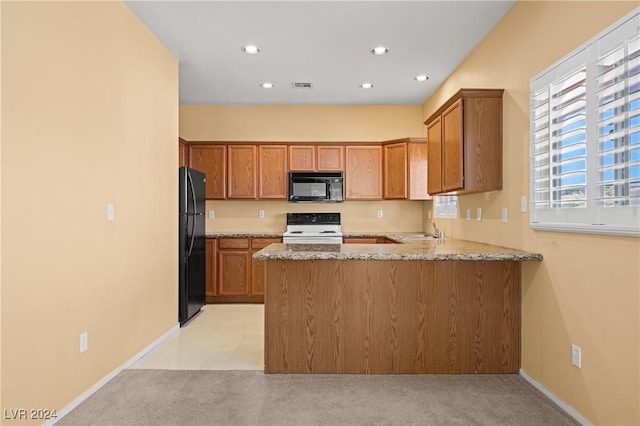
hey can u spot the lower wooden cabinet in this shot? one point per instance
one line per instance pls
(232, 274)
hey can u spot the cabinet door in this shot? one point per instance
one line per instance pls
(272, 165)
(434, 151)
(302, 157)
(233, 272)
(395, 171)
(452, 150)
(242, 171)
(363, 174)
(212, 160)
(211, 276)
(330, 157)
(417, 175)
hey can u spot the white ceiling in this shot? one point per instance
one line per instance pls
(326, 43)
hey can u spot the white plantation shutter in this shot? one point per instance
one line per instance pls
(585, 136)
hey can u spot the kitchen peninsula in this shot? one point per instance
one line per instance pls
(427, 306)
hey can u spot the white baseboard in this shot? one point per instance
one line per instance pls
(105, 380)
(566, 407)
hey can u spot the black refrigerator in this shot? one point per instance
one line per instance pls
(191, 236)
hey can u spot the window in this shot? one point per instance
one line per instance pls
(585, 136)
(445, 205)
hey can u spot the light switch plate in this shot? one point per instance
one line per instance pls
(110, 212)
(479, 214)
(523, 204)
(504, 214)
(468, 214)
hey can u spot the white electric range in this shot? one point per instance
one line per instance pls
(313, 228)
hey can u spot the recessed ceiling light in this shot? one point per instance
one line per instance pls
(251, 49)
(422, 77)
(379, 50)
(366, 85)
(267, 85)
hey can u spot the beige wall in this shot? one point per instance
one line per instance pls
(586, 291)
(353, 123)
(345, 123)
(89, 116)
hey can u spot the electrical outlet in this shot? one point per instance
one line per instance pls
(468, 214)
(523, 204)
(84, 342)
(110, 212)
(479, 214)
(504, 214)
(261, 214)
(576, 356)
(212, 214)
(380, 214)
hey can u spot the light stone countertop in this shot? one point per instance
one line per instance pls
(243, 234)
(422, 249)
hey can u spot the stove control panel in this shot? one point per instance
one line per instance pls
(313, 218)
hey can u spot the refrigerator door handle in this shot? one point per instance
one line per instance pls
(193, 224)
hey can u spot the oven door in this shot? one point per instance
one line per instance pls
(308, 189)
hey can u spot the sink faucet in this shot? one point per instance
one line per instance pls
(437, 232)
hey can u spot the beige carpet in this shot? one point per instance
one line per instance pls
(171, 397)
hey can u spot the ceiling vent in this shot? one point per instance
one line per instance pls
(301, 85)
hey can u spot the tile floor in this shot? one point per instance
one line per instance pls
(220, 337)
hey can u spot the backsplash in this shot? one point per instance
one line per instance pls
(357, 216)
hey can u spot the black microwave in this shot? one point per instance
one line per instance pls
(316, 187)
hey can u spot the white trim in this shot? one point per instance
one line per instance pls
(560, 403)
(93, 389)
(586, 229)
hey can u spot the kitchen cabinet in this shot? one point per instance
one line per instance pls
(232, 275)
(363, 173)
(330, 157)
(212, 160)
(211, 269)
(233, 267)
(183, 153)
(272, 171)
(302, 157)
(316, 157)
(242, 175)
(405, 169)
(465, 143)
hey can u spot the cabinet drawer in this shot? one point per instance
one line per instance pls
(233, 243)
(258, 243)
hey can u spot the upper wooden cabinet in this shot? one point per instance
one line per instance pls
(302, 157)
(405, 169)
(465, 143)
(330, 157)
(242, 176)
(395, 171)
(434, 151)
(183, 153)
(363, 172)
(316, 157)
(212, 160)
(272, 171)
